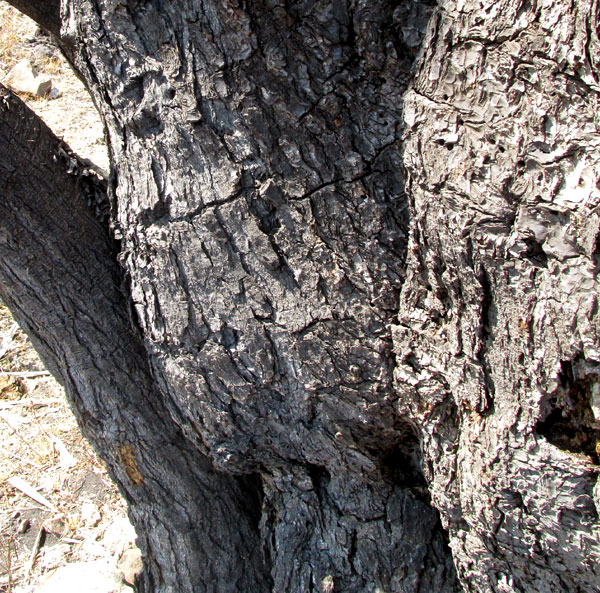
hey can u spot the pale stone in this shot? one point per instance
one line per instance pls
(130, 564)
(90, 514)
(55, 525)
(119, 536)
(54, 555)
(22, 79)
(91, 577)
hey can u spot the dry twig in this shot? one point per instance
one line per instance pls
(25, 440)
(39, 540)
(30, 491)
(24, 374)
(9, 548)
(8, 339)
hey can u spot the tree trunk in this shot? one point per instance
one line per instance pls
(497, 341)
(348, 286)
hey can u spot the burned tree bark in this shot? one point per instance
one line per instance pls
(346, 271)
(497, 341)
(60, 278)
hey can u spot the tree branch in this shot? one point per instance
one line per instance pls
(59, 277)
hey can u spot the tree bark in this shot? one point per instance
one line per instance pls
(347, 289)
(256, 175)
(60, 278)
(497, 342)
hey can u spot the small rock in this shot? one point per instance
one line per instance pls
(24, 526)
(91, 549)
(91, 577)
(130, 564)
(55, 525)
(90, 515)
(22, 79)
(54, 93)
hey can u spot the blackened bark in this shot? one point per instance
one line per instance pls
(330, 345)
(260, 199)
(59, 276)
(264, 231)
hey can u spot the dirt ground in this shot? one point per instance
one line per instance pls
(57, 505)
(71, 115)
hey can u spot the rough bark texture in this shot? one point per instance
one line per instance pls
(258, 195)
(497, 343)
(350, 285)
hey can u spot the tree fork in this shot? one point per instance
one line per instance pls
(357, 276)
(342, 512)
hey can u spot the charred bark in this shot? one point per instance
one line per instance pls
(347, 287)
(270, 225)
(259, 197)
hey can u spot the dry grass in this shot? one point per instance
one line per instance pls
(51, 65)
(16, 30)
(72, 115)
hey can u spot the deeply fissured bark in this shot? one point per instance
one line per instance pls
(360, 297)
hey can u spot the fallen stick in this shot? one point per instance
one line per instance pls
(9, 549)
(70, 540)
(32, 403)
(30, 491)
(5, 419)
(24, 374)
(8, 340)
(36, 548)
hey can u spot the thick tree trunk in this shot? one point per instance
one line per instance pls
(259, 198)
(498, 349)
(315, 347)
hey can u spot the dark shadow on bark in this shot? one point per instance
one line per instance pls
(568, 420)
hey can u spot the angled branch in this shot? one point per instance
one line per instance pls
(60, 278)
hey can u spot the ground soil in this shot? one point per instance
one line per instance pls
(79, 514)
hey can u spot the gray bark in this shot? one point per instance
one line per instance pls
(497, 340)
(257, 192)
(360, 298)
